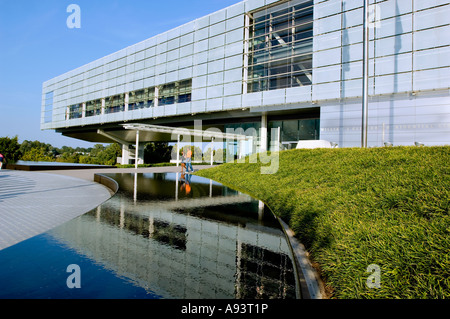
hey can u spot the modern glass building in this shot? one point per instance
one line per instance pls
(281, 71)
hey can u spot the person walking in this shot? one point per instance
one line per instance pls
(2, 158)
(189, 160)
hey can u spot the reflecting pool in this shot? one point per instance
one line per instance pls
(163, 235)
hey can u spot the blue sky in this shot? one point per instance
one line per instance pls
(37, 45)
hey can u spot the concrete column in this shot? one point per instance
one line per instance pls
(83, 110)
(260, 210)
(103, 106)
(212, 151)
(125, 154)
(210, 188)
(263, 137)
(278, 139)
(135, 188)
(141, 153)
(178, 150)
(176, 187)
(156, 102)
(365, 92)
(136, 152)
(127, 98)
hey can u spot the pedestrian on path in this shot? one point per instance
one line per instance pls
(189, 160)
(2, 158)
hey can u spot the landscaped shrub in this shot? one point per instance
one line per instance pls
(355, 207)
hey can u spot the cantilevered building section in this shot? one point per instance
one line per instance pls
(278, 71)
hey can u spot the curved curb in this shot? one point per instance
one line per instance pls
(311, 285)
(109, 182)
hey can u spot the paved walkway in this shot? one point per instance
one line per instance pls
(32, 203)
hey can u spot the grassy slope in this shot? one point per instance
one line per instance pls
(355, 207)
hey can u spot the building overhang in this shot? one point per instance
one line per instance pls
(150, 132)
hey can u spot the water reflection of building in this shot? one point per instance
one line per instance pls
(181, 251)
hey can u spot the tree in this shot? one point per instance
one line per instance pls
(109, 154)
(10, 148)
(37, 151)
(157, 152)
(37, 154)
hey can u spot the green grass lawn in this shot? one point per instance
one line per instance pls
(355, 207)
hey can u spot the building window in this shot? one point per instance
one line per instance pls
(280, 40)
(48, 109)
(167, 94)
(184, 91)
(171, 93)
(141, 99)
(292, 131)
(93, 108)
(176, 92)
(114, 104)
(75, 111)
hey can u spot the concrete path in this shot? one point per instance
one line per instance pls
(32, 203)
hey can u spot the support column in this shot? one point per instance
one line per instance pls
(260, 210)
(136, 153)
(278, 139)
(178, 150)
(156, 99)
(127, 99)
(212, 151)
(125, 146)
(176, 187)
(103, 106)
(125, 154)
(263, 137)
(365, 94)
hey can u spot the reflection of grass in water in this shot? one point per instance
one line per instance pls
(355, 207)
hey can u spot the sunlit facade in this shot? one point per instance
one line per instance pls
(290, 70)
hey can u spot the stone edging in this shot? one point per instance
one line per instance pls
(109, 182)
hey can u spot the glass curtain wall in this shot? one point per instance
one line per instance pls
(141, 99)
(115, 104)
(75, 111)
(292, 131)
(250, 146)
(280, 46)
(176, 92)
(184, 91)
(93, 108)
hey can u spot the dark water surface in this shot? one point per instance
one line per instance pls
(163, 235)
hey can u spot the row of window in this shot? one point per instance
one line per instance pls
(170, 93)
